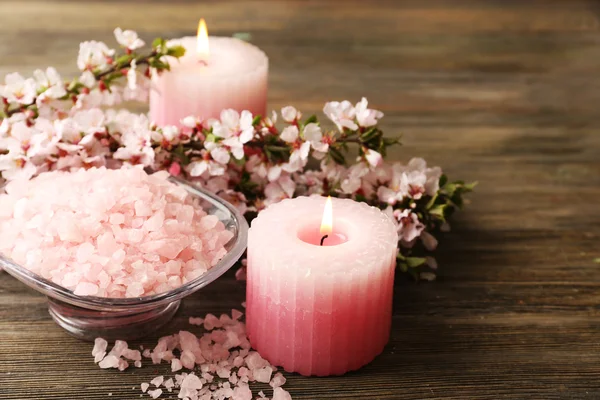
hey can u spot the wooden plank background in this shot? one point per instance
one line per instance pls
(503, 92)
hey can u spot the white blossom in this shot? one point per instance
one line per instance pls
(205, 165)
(290, 114)
(235, 129)
(365, 116)
(132, 76)
(218, 152)
(93, 54)
(128, 39)
(407, 223)
(373, 158)
(17, 89)
(49, 83)
(281, 189)
(16, 166)
(342, 114)
(312, 133)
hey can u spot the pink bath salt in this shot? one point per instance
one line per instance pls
(147, 353)
(116, 219)
(209, 222)
(169, 384)
(133, 355)
(157, 381)
(261, 394)
(242, 392)
(281, 394)
(155, 394)
(278, 380)
(176, 365)
(137, 364)
(144, 386)
(195, 321)
(134, 289)
(191, 381)
(100, 346)
(262, 375)
(119, 348)
(123, 365)
(109, 361)
(211, 322)
(236, 315)
(86, 289)
(88, 230)
(223, 373)
(188, 359)
(254, 361)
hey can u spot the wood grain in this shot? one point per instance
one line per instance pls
(503, 92)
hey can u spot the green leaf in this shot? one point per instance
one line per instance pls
(337, 156)
(414, 262)
(310, 120)
(124, 59)
(470, 186)
(403, 267)
(443, 180)
(399, 256)
(176, 51)
(391, 141)
(431, 202)
(179, 152)
(158, 42)
(256, 120)
(438, 211)
(370, 134)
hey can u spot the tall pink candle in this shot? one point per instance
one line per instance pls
(320, 310)
(219, 74)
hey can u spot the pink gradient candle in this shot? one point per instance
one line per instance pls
(215, 73)
(320, 310)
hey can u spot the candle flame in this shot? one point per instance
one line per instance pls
(327, 221)
(202, 44)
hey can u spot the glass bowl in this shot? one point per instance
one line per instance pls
(89, 317)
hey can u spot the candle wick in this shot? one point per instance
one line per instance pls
(323, 239)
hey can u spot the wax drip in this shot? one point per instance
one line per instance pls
(323, 239)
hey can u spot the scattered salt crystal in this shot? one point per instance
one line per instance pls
(281, 394)
(244, 304)
(138, 364)
(240, 274)
(191, 382)
(169, 384)
(176, 365)
(122, 365)
(261, 394)
(211, 322)
(263, 375)
(133, 355)
(109, 361)
(278, 380)
(254, 361)
(196, 321)
(157, 381)
(155, 394)
(242, 392)
(145, 386)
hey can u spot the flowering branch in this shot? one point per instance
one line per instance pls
(251, 161)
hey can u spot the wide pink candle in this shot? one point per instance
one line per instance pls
(320, 310)
(220, 74)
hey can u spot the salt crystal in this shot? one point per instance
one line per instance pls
(263, 375)
(211, 322)
(138, 364)
(188, 359)
(280, 394)
(133, 355)
(169, 383)
(109, 361)
(155, 394)
(176, 365)
(122, 365)
(261, 394)
(100, 346)
(236, 315)
(157, 381)
(196, 321)
(191, 382)
(255, 361)
(86, 289)
(242, 392)
(145, 387)
(278, 380)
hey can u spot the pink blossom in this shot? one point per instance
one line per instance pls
(18, 89)
(93, 55)
(128, 39)
(205, 165)
(408, 224)
(235, 129)
(16, 166)
(364, 116)
(49, 84)
(281, 189)
(290, 114)
(373, 158)
(342, 114)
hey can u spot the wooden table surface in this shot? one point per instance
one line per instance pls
(503, 92)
